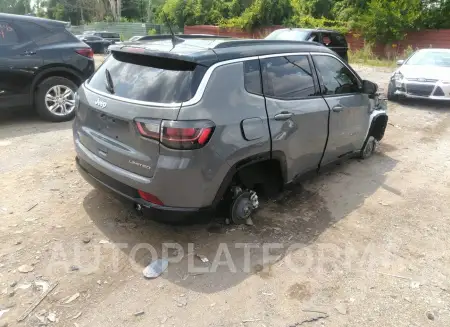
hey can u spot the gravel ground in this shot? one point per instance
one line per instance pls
(364, 244)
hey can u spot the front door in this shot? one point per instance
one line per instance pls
(298, 115)
(349, 116)
(18, 61)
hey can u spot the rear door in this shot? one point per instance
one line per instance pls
(128, 97)
(342, 91)
(19, 61)
(298, 115)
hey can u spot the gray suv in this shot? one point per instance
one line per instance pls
(181, 126)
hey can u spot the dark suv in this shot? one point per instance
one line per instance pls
(185, 124)
(41, 65)
(109, 36)
(331, 39)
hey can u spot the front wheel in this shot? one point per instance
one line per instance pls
(368, 148)
(55, 99)
(391, 92)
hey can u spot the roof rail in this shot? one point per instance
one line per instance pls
(244, 42)
(183, 36)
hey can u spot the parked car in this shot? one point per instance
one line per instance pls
(425, 74)
(41, 65)
(97, 44)
(331, 39)
(110, 36)
(179, 127)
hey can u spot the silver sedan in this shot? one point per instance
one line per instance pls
(425, 75)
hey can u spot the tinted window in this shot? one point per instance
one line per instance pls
(335, 77)
(93, 38)
(34, 31)
(252, 77)
(8, 35)
(338, 40)
(287, 77)
(151, 79)
(314, 37)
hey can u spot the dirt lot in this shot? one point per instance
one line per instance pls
(365, 244)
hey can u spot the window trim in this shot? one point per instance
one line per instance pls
(317, 90)
(260, 78)
(358, 78)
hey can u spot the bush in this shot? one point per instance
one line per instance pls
(152, 31)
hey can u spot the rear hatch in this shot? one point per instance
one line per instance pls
(123, 105)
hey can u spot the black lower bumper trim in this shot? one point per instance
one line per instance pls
(129, 195)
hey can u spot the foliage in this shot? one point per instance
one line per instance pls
(388, 21)
(152, 31)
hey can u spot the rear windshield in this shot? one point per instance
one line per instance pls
(109, 35)
(146, 78)
(290, 35)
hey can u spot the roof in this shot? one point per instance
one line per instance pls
(208, 51)
(308, 29)
(49, 23)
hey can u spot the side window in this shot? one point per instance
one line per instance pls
(338, 40)
(34, 31)
(326, 39)
(252, 77)
(314, 37)
(8, 35)
(335, 77)
(287, 78)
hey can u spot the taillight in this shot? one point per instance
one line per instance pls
(85, 52)
(180, 135)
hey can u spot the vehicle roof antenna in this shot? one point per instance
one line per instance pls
(175, 39)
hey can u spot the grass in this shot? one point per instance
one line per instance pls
(365, 56)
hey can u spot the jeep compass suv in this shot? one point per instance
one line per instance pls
(41, 66)
(180, 125)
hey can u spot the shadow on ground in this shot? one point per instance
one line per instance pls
(25, 121)
(299, 216)
(423, 104)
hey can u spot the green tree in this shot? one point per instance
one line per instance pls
(388, 21)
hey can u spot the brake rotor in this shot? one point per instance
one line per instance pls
(243, 206)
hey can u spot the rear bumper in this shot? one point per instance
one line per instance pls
(130, 196)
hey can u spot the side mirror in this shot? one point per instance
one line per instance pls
(400, 62)
(369, 87)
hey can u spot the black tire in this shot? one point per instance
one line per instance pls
(391, 92)
(368, 148)
(40, 101)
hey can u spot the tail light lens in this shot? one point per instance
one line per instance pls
(180, 135)
(150, 198)
(85, 52)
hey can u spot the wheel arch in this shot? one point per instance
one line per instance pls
(378, 126)
(277, 159)
(59, 71)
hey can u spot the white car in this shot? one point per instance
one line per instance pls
(425, 75)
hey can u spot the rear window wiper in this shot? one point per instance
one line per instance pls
(109, 82)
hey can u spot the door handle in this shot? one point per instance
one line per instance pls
(338, 108)
(284, 115)
(29, 53)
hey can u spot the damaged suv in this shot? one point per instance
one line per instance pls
(179, 126)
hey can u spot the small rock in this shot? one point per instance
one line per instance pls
(25, 269)
(103, 242)
(74, 268)
(430, 315)
(13, 284)
(18, 242)
(51, 316)
(249, 222)
(86, 240)
(139, 313)
(11, 293)
(202, 258)
(99, 282)
(415, 284)
(341, 308)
